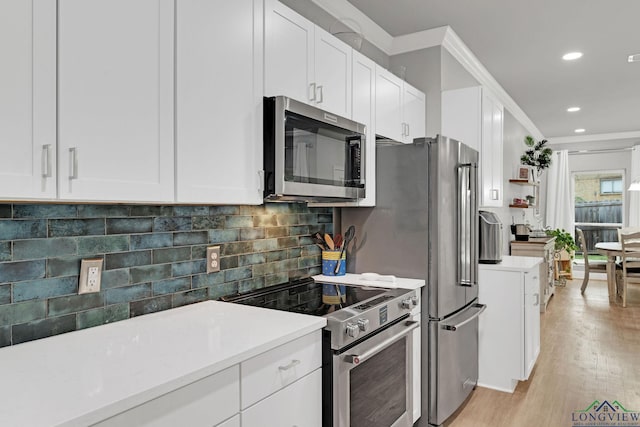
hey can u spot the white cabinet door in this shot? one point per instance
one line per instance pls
(532, 321)
(491, 152)
(289, 53)
(332, 73)
(219, 101)
(363, 89)
(27, 99)
(388, 105)
(414, 104)
(472, 116)
(115, 100)
(462, 114)
(299, 404)
(500, 329)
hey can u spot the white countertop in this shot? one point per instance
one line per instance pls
(81, 377)
(356, 279)
(513, 263)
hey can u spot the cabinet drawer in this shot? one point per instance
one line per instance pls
(299, 404)
(277, 368)
(203, 403)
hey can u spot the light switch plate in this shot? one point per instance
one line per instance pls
(90, 275)
(213, 259)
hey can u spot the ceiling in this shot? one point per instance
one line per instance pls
(521, 43)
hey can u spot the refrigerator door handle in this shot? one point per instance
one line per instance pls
(474, 221)
(466, 224)
(481, 307)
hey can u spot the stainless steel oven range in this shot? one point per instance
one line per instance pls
(367, 348)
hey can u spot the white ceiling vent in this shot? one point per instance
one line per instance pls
(634, 58)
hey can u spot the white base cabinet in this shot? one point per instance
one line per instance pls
(509, 330)
(299, 404)
(280, 387)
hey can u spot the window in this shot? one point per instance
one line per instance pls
(599, 207)
(611, 186)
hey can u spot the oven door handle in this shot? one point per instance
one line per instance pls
(359, 358)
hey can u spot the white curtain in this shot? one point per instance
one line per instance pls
(560, 204)
(634, 196)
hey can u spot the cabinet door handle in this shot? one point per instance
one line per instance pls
(46, 161)
(403, 133)
(321, 97)
(408, 129)
(294, 362)
(312, 92)
(73, 163)
(537, 299)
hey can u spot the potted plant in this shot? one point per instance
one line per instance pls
(537, 154)
(565, 250)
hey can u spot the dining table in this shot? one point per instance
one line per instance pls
(611, 250)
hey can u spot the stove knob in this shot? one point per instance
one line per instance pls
(363, 324)
(406, 303)
(414, 300)
(352, 330)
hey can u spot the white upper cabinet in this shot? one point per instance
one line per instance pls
(400, 108)
(332, 73)
(219, 101)
(474, 117)
(289, 54)
(304, 62)
(28, 99)
(491, 174)
(414, 104)
(389, 105)
(115, 100)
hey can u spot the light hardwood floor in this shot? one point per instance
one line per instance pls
(590, 350)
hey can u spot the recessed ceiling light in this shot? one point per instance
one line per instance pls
(579, 130)
(573, 109)
(634, 58)
(571, 56)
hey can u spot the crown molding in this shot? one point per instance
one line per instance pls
(443, 36)
(459, 50)
(595, 137)
(420, 40)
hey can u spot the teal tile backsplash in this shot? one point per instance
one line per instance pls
(154, 259)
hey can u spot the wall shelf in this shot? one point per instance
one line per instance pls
(523, 182)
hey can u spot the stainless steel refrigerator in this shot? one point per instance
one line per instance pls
(425, 225)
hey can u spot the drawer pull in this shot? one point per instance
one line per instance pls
(293, 363)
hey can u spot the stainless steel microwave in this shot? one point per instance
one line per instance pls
(311, 155)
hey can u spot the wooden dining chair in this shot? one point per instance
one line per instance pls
(630, 272)
(588, 265)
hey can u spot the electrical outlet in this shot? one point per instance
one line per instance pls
(90, 275)
(213, 259)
